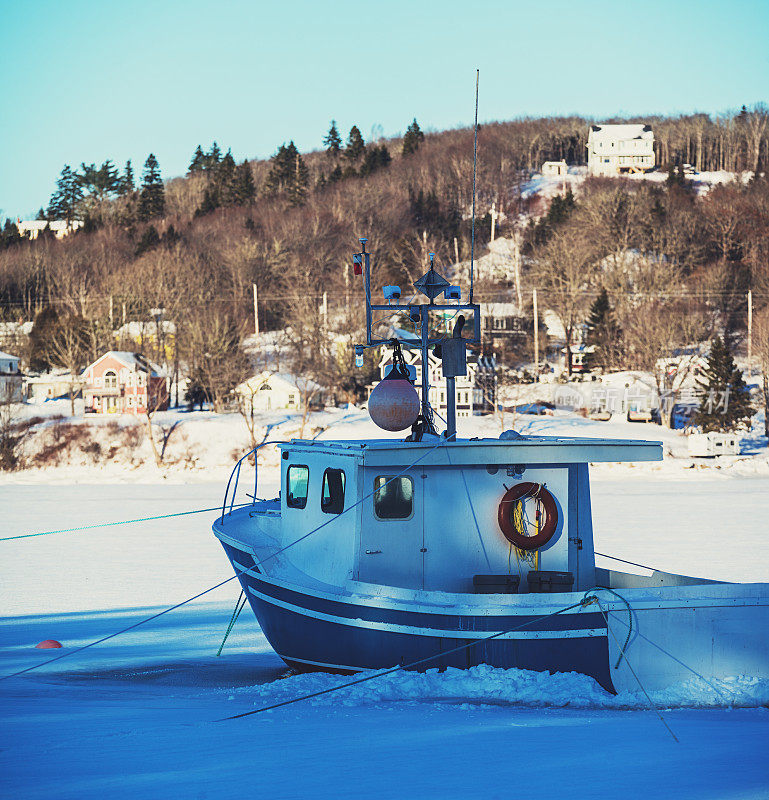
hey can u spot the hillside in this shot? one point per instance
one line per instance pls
(192, 249)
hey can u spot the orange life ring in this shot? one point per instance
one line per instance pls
(519, 492)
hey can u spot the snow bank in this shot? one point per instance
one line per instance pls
(485, 685)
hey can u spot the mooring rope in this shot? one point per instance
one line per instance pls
(630, 667)
(233, 619)
(625, 561)
(658, 646)
(410, 665)
(118, 522)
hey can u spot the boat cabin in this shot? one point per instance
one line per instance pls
(425, 515)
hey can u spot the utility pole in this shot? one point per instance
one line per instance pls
(536, 334)
(256, 312)
(110, 313)
(324, 310)
(494, 216)
(517, 269)
(456, 251)
(750, 330)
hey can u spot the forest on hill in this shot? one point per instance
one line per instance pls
(194, 246)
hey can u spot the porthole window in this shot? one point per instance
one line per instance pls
(332, 496)
(393, 497)
(297, 481)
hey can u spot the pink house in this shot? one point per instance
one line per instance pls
(124, 383)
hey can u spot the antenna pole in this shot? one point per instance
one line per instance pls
(475, 161)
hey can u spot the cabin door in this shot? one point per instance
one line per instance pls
(392, 531)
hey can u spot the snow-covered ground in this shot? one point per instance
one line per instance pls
(137, 716)
(547, 186)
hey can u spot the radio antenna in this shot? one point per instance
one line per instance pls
(475, 161)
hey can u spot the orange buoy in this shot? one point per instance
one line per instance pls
(394, 403)
(48, 644)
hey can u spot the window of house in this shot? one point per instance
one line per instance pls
(130, 379)
(110, 379)
(332, 496)
(140, 379)
(393, 497)
(297, 481)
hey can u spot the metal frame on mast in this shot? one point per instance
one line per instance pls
(431, 284)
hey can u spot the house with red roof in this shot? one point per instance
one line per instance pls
(124, 383)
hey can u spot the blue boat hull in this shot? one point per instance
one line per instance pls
(313, 632)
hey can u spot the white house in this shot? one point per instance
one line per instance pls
(53, 385)
(554, 169)
(269, 391)
(32, 228)
(617, 149)
(11, 382)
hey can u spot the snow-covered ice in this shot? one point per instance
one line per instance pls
(137, 716)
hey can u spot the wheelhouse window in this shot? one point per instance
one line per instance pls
(393, 497)
(332, 496)
(297, 481)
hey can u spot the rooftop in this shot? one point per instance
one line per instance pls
(500, 453)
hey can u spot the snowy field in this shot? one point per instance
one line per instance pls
(138, 715)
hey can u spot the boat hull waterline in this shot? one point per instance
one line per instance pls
(311, 630)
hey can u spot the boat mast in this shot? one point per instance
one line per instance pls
(451, 348)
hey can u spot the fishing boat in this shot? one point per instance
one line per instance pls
(438, 551)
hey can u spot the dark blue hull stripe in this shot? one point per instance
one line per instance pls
(309, 632)
(309, 643)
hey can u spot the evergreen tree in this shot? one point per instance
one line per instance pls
(603, 333)
(725, 401)
(335, 174)
(244, 189)
(198, 163)
(412, 138)
(100, 182)
(214, 156)
(150, 240)
(10, 234)
(127, 181)
(297, 190)
(44, 330)
(559, 211)
(224, 175)
(68, 194)
(152, 200)
(355, 145)
(211, 201)
(333, 141)
(41, 214)
(376, 157)
(288, 173)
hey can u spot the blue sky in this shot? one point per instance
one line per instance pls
(86, 81)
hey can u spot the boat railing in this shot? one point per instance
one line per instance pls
(235, 479)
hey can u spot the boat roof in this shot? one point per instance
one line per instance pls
(521, 450)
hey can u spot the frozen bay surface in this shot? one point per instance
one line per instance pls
(137, 716)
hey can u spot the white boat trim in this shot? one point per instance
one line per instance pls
(413, 606)
(441, 633)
